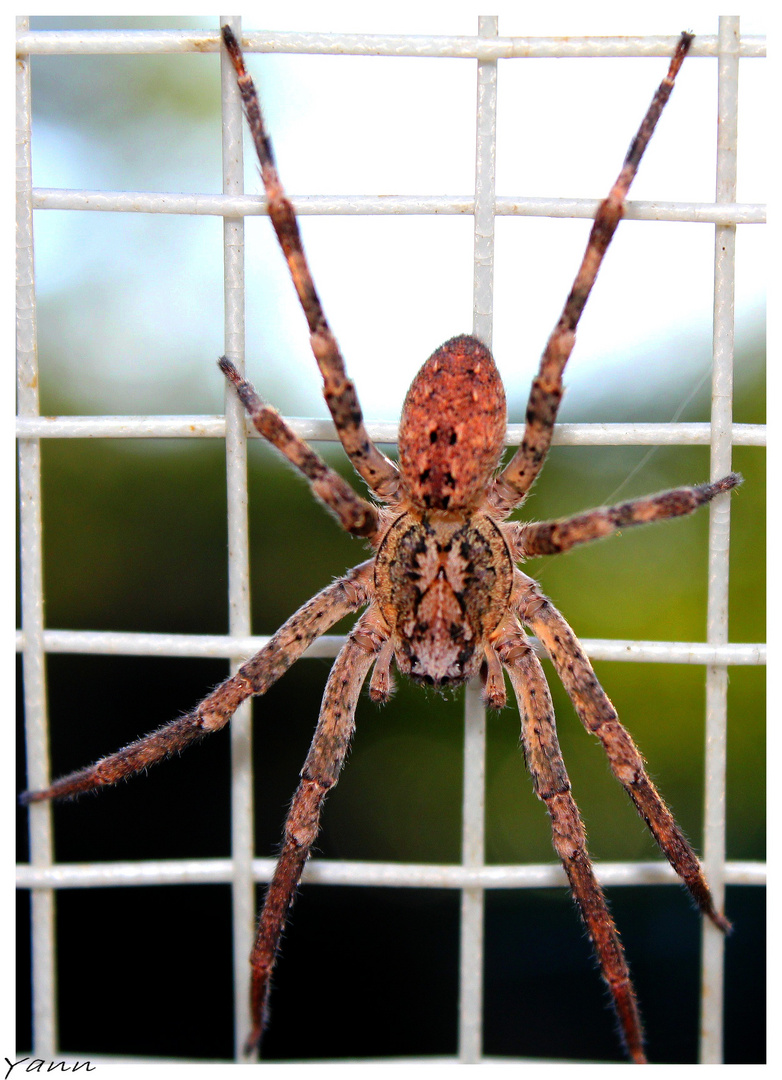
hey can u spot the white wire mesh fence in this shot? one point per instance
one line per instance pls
(242, 871)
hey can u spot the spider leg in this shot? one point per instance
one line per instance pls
(379, 473)
(320, 773)
(518, 476)
(599, 716)
(552, 786)
(355, 514)
(551, 537)
(253, 678)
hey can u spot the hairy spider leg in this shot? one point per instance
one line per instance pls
(552, 786)
(599, 717)
(339, 391)
(515, 480)
(529, 539)
(321, 770)
(354, 514)
(253, 678)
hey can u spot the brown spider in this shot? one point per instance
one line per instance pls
(444, 601)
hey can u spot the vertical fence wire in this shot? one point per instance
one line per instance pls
(31, 559)
(713, 944)
(242, 846)
(471, 955)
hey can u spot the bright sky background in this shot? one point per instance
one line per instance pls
(131, 305)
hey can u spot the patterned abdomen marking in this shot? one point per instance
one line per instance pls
(453, 427)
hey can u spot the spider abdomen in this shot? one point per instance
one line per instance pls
(442, 585)
(453, 427)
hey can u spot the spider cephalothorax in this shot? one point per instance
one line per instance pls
(444, 600)
(443, 582)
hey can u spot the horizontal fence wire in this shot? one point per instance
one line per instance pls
(129, 643)
(314, 430)
(355, 872)
(146, 42)
(145, 202)
(34, 641)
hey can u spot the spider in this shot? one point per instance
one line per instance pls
(444, 599)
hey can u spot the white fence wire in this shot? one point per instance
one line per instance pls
(42, 876)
